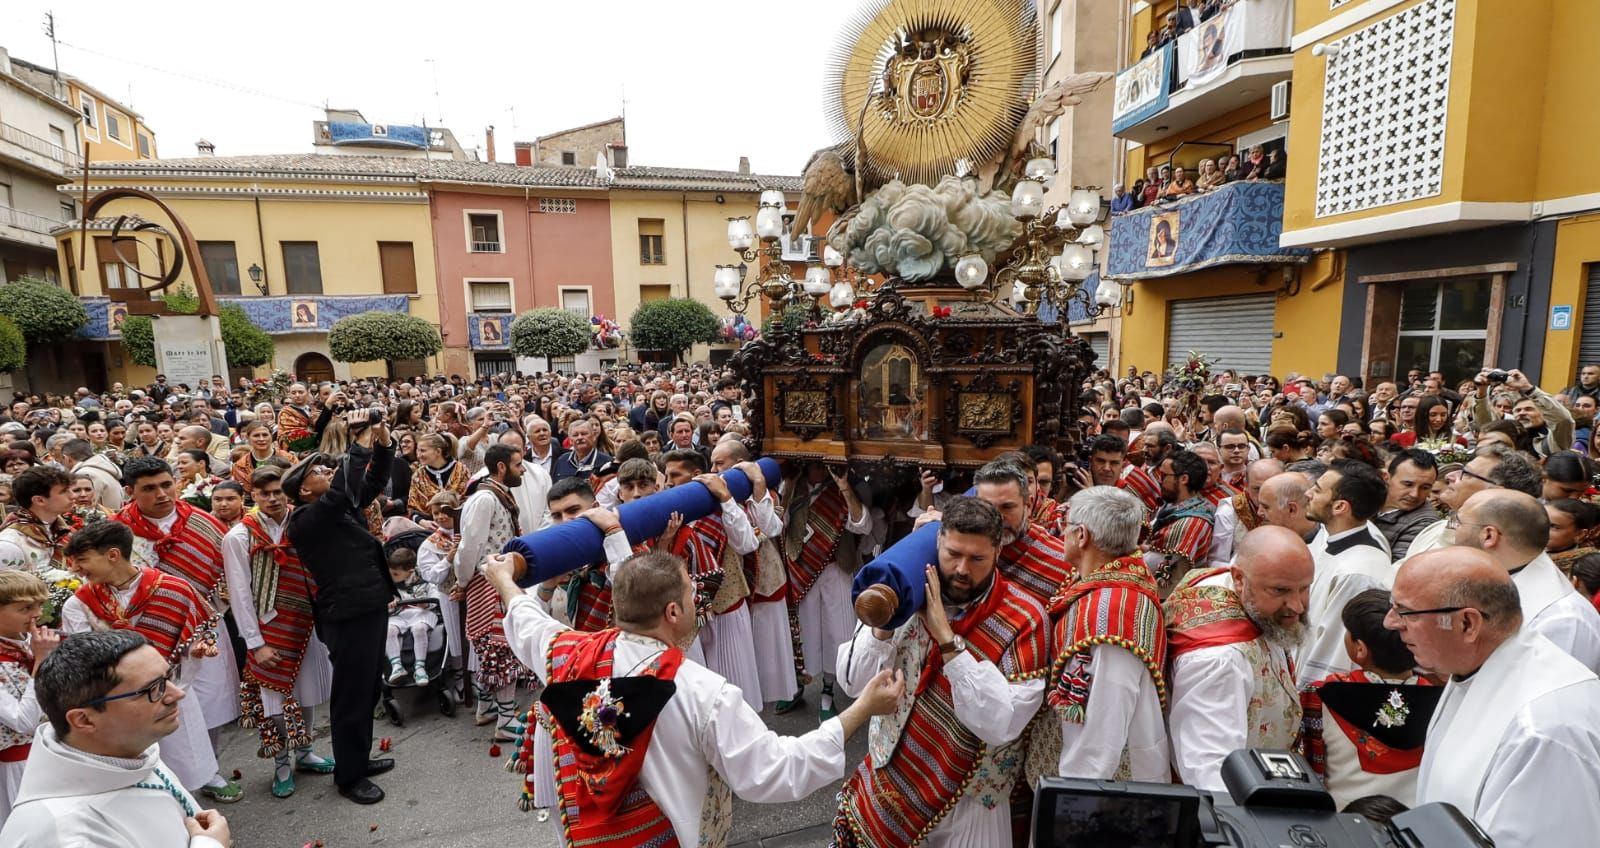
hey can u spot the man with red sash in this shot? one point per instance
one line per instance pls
(974, 659)
(1241, 513)
(185, 542)
(1229, 634)
(1042, 463)
(287, 671)
(622, 784)
(766, 573)
(295, 423)
(823, 542)
(1216, 492)
(1363, 730)
(1031, 557)
(490, 518)
(1180, 532)
(1107, 687)
(167, 611)
(714, 547)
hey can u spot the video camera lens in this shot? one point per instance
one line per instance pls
(1497, 376)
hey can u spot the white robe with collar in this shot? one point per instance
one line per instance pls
(1346, 566)
(1517, 746)
(1555, 610)
(71, 799)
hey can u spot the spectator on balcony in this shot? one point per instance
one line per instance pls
(1152, 187)
(1255, 165)
(1180, 186)
(1209, 9)
(1234, 170)
(1209, 177)
(1151, 42)
(1180, 20)
(1121, 200)
(1277, 165)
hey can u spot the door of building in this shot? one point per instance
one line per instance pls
(313, 368)
(1234, 331)
(1444, 327)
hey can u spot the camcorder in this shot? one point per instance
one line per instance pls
(374, 416)
(1274, 799)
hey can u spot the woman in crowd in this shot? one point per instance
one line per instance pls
(437, 470)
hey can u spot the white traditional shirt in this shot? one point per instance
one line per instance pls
(1229, 697)
(1224, 527)
(19, 553)
(1516, 746)
(314, 685)
(706, 723)
(1552, 608)
(995, 709)
(1434, 536)
(532, 496)
(1123, 712)
(1349, 563)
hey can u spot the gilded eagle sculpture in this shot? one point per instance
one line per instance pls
(920, 90)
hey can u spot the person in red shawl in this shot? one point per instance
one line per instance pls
(258, 437)
(1044, 510)
(295, 422)
(286, 671)
(1031, 556)
(184, 541)
(34, 535)
(1107, 687)
(1180, 532)
(1363, 730)
(166, 611)
(621, 783)
(943, 767)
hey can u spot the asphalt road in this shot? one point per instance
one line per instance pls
(446, 791)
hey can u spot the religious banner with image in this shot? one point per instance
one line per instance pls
(303, 314)
(1163, 248)
(489, 332)
(1141, 89)
(1203, 51)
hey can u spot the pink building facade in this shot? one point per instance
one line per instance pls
(503, 250)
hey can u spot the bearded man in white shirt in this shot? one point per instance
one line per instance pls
(1229, 635)
(1515, 741)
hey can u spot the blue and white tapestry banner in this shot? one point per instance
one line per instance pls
(275, 315)
(1237, 223)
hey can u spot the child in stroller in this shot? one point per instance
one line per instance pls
(416, 612)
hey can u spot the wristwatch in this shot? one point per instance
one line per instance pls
(955, 646)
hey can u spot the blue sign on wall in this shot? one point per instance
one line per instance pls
(1561, 317)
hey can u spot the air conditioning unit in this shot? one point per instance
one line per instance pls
(1280, 100)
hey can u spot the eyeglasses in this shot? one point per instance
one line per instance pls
(154, 692)
(1404, 613)
(1479, 477)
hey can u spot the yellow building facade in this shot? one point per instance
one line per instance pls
(297, 241)
(1442, 145)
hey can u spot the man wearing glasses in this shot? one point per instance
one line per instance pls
(95, 775)
(1494, 466)
(1515, 740)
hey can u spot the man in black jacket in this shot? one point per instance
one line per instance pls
(329, 533)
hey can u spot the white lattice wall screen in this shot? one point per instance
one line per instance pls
(1383, 111)
(1334, 4)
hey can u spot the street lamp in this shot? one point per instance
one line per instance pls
(255, 277)
(763, 241)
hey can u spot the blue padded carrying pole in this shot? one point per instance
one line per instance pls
(889, 590)
(565, 548)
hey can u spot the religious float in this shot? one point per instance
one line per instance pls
(916, 342)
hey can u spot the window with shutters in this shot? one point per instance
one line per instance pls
(222, 266)
(1444, 327)
(399, 264)
(489, 295)
(652, 235)
(144, 146)
(113, 125)
(91, 113)
(576, 301)
(483, 232)
(118, 262)
(302, 267)
(72, 265)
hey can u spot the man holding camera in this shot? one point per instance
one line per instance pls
(329, 532)
(1546, 420)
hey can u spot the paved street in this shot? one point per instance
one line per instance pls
(446, 791)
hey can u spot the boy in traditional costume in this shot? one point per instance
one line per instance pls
(167, 611)
(287, 671)
(823, 540)
(766, 573)
(23, 646)
(489, 519)
(34, 535)
(623, 784)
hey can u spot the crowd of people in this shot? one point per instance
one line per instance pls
(1400, 585)
(1166, 183)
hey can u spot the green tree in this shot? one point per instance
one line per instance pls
(549, 332)
(675, 325)
(42, 310)
(13, 347)
(795, 317)
(247, 345)
(380, 336)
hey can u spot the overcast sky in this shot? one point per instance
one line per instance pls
(706, 81)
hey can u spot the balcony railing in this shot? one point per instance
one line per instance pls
(27, 221)
(43, 147)
(486, 247)
(1235, 224)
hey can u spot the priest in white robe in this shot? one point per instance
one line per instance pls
(95, 778)
(1351, 561)
(1514, 529)
(1229, 634)
(1515, 741)
(706, 741)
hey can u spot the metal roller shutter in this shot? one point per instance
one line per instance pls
(1235, 331)
(1100, 343)
(1589, 342)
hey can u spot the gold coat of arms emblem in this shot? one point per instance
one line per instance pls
(924, 80)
